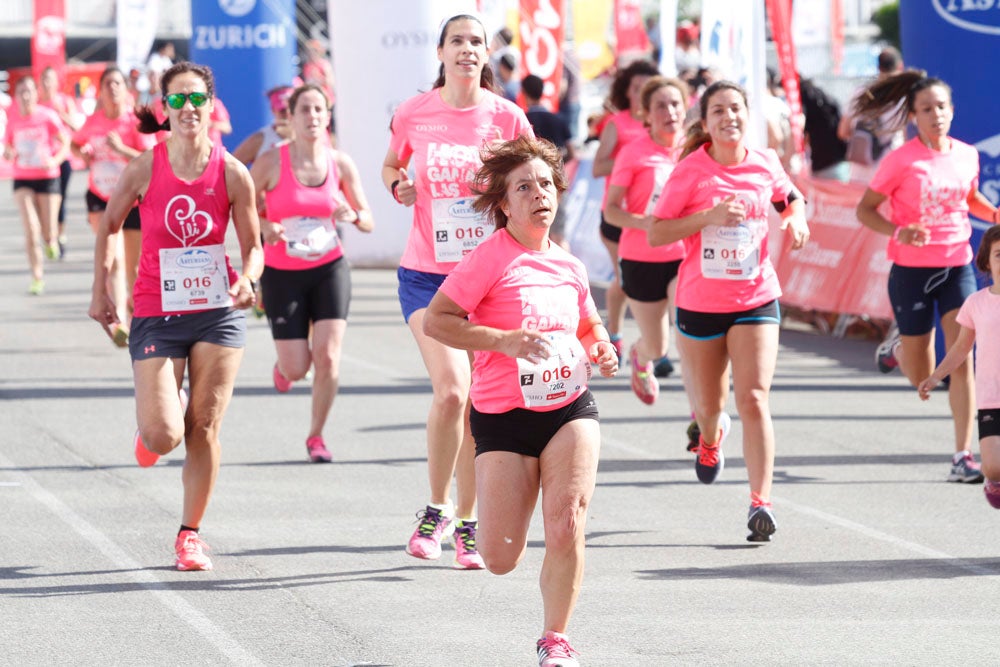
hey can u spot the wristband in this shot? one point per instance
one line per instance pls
(394, 185)
(357, 217)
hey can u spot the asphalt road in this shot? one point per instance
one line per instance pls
(876, 561)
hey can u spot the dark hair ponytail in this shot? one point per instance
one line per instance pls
(148, 122)
(885, 95)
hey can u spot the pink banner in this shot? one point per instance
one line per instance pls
(780, 14)
(542, 29)
(630, 32)
(48, 38)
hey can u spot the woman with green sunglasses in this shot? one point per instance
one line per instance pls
(188, 298)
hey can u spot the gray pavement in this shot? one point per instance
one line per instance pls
(877, 560)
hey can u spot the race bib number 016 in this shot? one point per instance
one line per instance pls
(731, 253)
(194, 278)
(551, 381)
(458, 229)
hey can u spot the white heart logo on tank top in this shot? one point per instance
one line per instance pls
(185, 222)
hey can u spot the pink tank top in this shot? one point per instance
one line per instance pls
(178, 217)
(306, 212)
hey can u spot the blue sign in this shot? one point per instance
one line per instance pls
(250, 46)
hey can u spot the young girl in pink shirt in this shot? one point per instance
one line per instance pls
(932, 185)
(440, 134)
(717, 200)
(980, 312)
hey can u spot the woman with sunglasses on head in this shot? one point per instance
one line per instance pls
(188, 297)
(108, 140)
(716, 200)
(37, 144)
(440, 133)
(269, 136)
(304, 188)
(932, 184)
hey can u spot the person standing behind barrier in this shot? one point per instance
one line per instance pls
(931, 183)
(648, 274)
(109, 138)
(441, 133)
(307, 188)
(624, 125)
(269, 136)
(523, 305)
(188, 297)
(50, 96)
(717, 200)
(36, 143)
(980, 312)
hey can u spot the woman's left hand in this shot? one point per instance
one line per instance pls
(344, 213)
(603, 354)
(242, 293)
(798, 228)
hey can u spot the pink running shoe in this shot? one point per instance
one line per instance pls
(554, 651)
(644, 382)
(466, 555)
(434, 526)
(318, 453)
(992, 491)
(143, 456)
(282, 384)
(191, 552)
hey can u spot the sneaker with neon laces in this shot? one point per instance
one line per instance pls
(965, 469)
(434, 526)
(191, 552)
(693, 434)
(281, 383)
(710, 462)
(37, 287)
(760, 521)
(644, 383)
(318, 453)
(466, 555)
(885, 353)
(52, 251)
(554, 651)
(663, 367)
(120, 336)
(991, 489)
(619, 345)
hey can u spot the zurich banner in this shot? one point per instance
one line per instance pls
(958, 41)
(250, 46)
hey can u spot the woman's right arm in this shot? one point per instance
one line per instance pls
(394, 171)
(446, 322)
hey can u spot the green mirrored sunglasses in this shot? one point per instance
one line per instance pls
(177, 100)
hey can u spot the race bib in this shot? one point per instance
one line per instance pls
(309, 238)
(458, 229)
(29, 152)
(194, 278)
(550, 381)
(104, 176)
(731, 253)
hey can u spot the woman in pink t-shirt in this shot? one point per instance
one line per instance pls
(108, 140)
(304, 188)
(188, 297)
(932, 184)
(65, 107)
(717, 200)
(623, 126)
(981, 312)
(36, 143)
(522, 304)
(647, 273)
(441, 133)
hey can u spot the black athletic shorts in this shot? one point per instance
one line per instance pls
(174, 335)
(989, 422)
(647, 281)
(706, 326)
(524, 431)
(97, 205)
(40, 186)
(609, 231)
(294, 299)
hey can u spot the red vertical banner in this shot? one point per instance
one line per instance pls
(630, 31)
(48, 36)
(837, 34)
(780, 14)
(541, 29)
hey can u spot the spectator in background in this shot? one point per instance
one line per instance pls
(506, 72)
(687, 54)
(779, 120)
(870, 139)
(501, 44)
(569, 92)
(826, 150)
(269, 136)
(161, 59)
(545, 123)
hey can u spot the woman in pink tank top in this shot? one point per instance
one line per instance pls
(65, 107)
(189, 301)
(306, 188)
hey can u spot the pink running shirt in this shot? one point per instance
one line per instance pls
(291, 200)
(932, 188)
(33, 139)
(107, 165)
(629, 129)
(642, 168)
(444, 143)
(504, 285)
(725, 269)
(981, 313)
(179, 214)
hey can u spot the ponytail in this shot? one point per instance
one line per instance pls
(885, 95)
(148, 122)
(694, 139)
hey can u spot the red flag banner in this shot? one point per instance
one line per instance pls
(541, 30)
(780, 14)
(630, 32)
(48, 38)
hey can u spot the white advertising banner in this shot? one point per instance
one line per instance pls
(136, 24)
(384, 51)
(668, 37)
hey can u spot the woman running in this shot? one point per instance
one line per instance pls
(717, 201)
(269, 136)
(523, 305)
(36, 143)
(622, 127)
(932, 184)
(50, 96)
(306, 187)
(440, 133)
(188, 297)
(109, 138)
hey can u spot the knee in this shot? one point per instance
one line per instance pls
(564, 527)
(162, 438)
(752, 404)
(294, 371)
(451, 397)
(324, 364)
(201, 430)
(500, 559)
